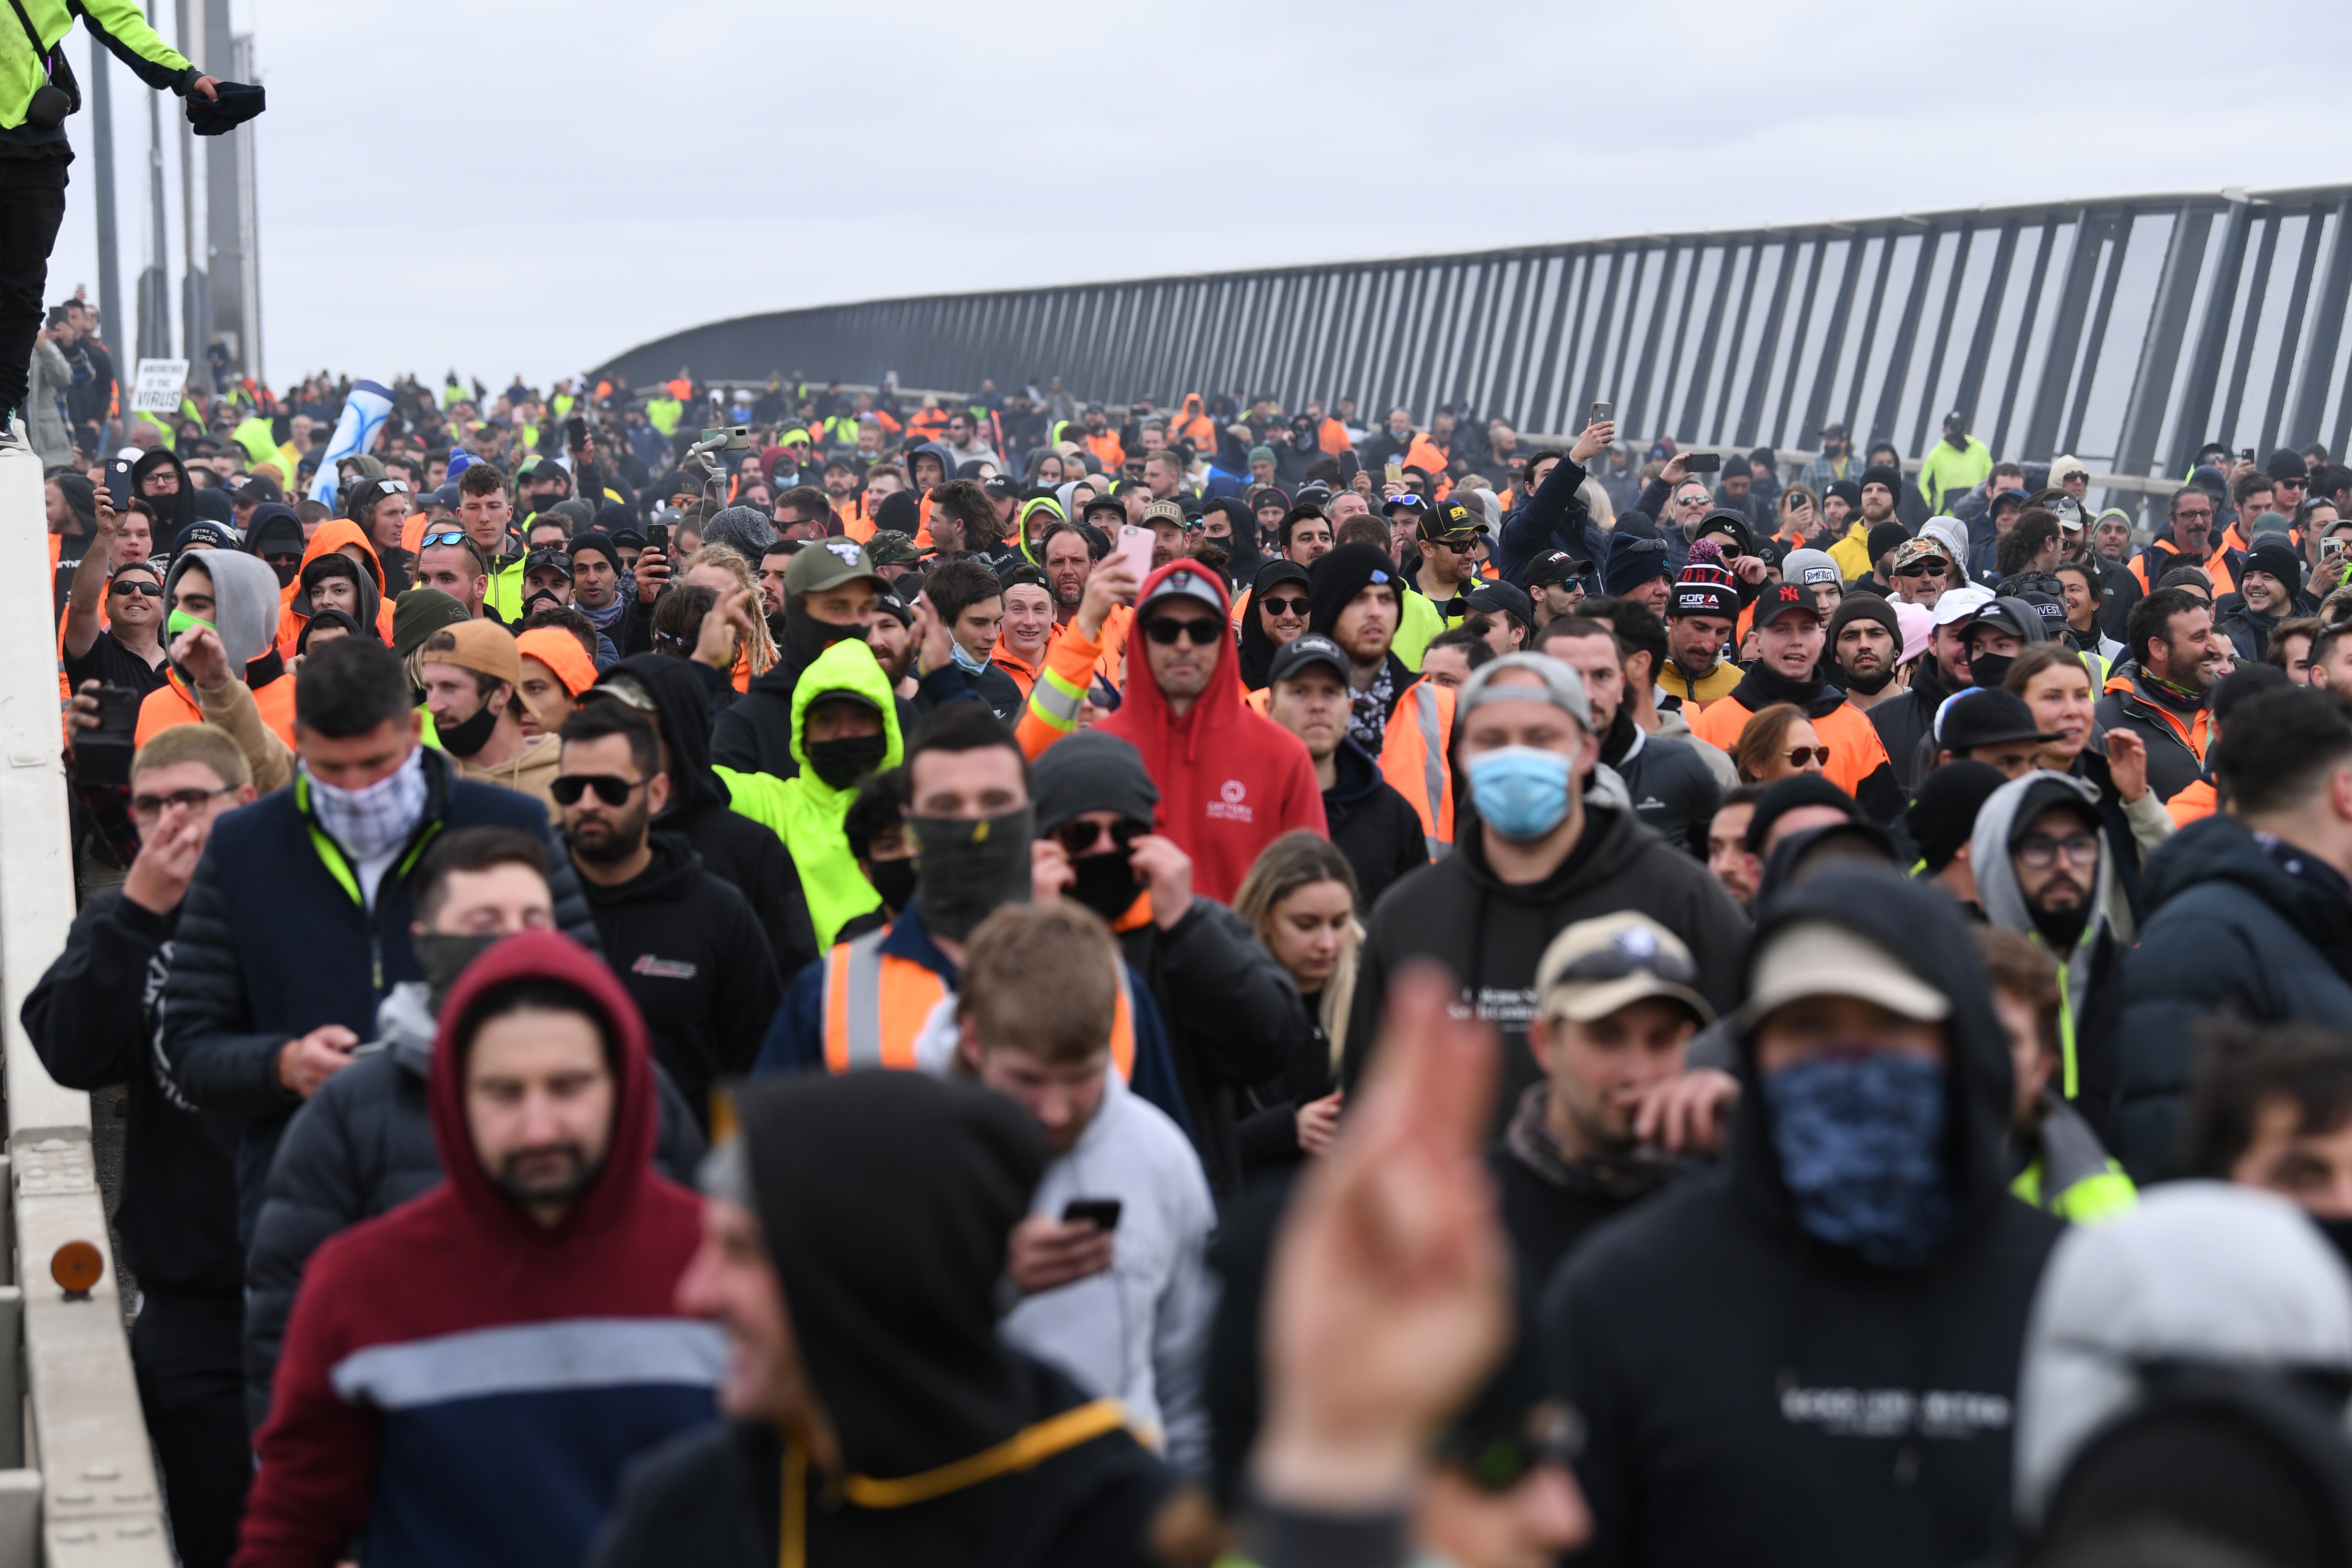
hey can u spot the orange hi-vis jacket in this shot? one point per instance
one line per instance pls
(1072, 666)
(172, 703)
(2216, 565)
(1109, 449)
(876, 1005)
(1855, 749)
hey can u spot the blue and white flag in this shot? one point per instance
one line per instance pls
(364, 412)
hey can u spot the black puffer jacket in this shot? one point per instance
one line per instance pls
(1752, 1395)
(745, 853)
(2229, 932)
(364, 1144)
(1674, 792)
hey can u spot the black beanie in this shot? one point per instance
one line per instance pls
(1090, 771)
(900, 511)
(1849, 491)
(1944, 813)
(1796, 790)
(601, 542)
(1338, 576)
(1867, 606)
(1886, 536)
(1880, 474)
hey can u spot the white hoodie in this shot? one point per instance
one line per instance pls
(1140, 1331)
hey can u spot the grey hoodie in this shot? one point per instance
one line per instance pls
(244, 601)
(1998, 893)
(2202, 1271)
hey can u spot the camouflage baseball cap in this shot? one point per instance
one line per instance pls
(888, 547)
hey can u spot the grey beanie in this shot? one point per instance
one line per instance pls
(745, 529)
(1090, 771)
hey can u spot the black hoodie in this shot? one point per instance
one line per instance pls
(737, 850)
(696, 962)
(2230, 931)
(885, 1199)
(1371, 824)
(1753, 1395)
(1491, 933)
(754, 734)
(1257, 649)
(173, 513)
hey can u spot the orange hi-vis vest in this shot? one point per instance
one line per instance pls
(876, 1003)
(1412, 759)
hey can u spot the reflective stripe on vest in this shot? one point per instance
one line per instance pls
(1424, 780)
(876, 1005)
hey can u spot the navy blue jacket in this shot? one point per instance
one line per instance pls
(270, 946)
(1550, 519)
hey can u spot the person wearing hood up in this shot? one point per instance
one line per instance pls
(691, 952)
(2249, 912)
(831, 592)
(274, 535)
(1536, 851)
(2063, 1168)
(234, 596)
(845, 725)
(364, 601)
(873, 1413)
(465, 1377)
(364, 1144)
(160, 480)
(1231, 780)
(1270, 618)
(2183, 1384)
(1789, 636)
(1233, 1016)
(1369, 821)
(1811, 1359)
(473, 688)
(750, 854)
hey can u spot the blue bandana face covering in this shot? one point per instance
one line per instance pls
(1521, 793)
(1860, 1135)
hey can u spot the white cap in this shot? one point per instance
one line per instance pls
(1961, 604)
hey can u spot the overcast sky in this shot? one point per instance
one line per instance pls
(535, 187)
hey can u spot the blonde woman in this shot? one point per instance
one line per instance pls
(1300, 900)
(722, 569)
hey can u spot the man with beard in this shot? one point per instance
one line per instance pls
(1864, 642)
(1789, 639)
(1922, 571)
(1903, 720)
(831, 592)
(1068, 551)
(1860, 552)
(473, 678)
(1370, 824)
(685, 945)
(2159, 689)
(601, 588)
(2042, 872)
(2186, 540)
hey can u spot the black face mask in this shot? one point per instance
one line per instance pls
(1107, 884)
(465, 740)
(1989, 669)
(894, 879)
(444, 955)
(1868, 685)
(544, 599)
(970, 869)
(805, 637)
(844, 761)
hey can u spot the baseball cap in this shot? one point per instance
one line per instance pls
(1103, 503)
(1595, 967)
(1960, 605)
(553, 555)
(1986, 716)
(1163, 512)
(1183, 582)
(1558, 685)
(1782, 599)
(2069, 513)
(1451, 519)
(1555, 566)
(1000, 488)
(1913, 551)
(829, 564)
(1817, 958)
(1301, 651)
(888, 547)
(484, 646)
(1506, 598)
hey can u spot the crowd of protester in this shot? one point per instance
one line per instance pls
(791, 974)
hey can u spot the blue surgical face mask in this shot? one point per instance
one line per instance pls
(1521, 793)
(1860, 1134)
(964, 660)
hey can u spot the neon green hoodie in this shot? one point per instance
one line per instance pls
(806, 811)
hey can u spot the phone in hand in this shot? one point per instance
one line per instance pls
(1135, 543)
(1349, 467)
(118, 482)
(1701, 463)
(575, 433)
(1100, 1213)
(102, 756)
(657, 537)
(1603, 412)
(1393, 473)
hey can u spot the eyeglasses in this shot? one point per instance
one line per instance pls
(1083, 838)
(1297, 606)
(1198, 631)
(1799, 755)
(2041, 852)
(2193, 514)
(151, 590)
(1923, 569)
(567, 788)
(148, 807)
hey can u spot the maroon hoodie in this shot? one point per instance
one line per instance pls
(1231, 780)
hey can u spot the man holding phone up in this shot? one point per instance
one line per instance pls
(1110, 1261)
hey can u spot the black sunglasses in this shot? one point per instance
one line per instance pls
(1639, 955)
(1085, 838)
(151, 590)
(567, 788)
(1297, 606)
(1923, 569)
(1201, 632)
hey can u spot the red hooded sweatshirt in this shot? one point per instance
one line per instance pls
(463, 1386)
(1230, 781)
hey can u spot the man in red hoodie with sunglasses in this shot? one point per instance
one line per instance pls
(1231, 780)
